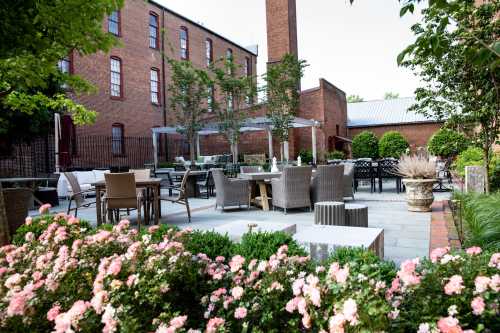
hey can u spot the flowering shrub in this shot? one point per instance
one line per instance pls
(450, 292)
(118, 280)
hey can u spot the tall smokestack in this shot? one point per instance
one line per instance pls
(281, 18)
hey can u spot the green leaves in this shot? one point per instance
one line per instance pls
(282, 90)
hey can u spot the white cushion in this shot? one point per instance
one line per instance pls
(62, 186)
(85, 177)
(209, 159)
(85, 187)
(99, 174)
(180, 159)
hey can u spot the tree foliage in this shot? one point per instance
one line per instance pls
(365, 145)
(283, 95)
(237, 91)
(35, 35)
(447, 143)
(392, 144)
(456, 55)
(391, 95)
(354, 99)
(188, 89)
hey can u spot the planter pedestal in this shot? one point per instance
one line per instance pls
(419, 194)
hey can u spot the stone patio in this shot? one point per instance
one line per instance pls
(406, 234)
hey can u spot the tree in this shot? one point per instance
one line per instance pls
(283, 95)
(188, 89)
(365, 145)
(392, 144)
(456, 55)
(447, 143)
(236, 91)
(391, 95)
(35, 35)
(354, 99)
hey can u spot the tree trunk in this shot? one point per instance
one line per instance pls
(487, 158)
(4, 224)
(234, 152)
(281, 151)
(192, 149)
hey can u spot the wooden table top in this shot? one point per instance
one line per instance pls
(259, 175)
(138, 182)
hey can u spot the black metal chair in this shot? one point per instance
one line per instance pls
(363, 170)
(387, 169)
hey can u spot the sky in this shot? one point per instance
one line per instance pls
(352, 46)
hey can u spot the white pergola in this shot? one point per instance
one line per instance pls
(250, 124)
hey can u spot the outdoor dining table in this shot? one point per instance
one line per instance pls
(260, 178)
(192, 188)
(151, 185)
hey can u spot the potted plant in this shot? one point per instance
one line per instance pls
(419, 176)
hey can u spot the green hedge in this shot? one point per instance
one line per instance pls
(392, 144)
(447, 143)
(365, 145)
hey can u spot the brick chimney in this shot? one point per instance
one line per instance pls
(281, 29)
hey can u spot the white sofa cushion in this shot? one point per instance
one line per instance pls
(85, 177)
(99, 174)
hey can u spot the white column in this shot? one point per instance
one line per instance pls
(198, 150)
(313, 131)
(270, 142)
(155, 149)
(286, 151)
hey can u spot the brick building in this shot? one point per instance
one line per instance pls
(132, 82)
(381, 116)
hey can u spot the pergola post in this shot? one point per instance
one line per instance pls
(198, 150)
(270, 143)
(155, 149)
(314, 152)
(286, 151)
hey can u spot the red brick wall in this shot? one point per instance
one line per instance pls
(281, 29)
(135, 110)
(417, 134)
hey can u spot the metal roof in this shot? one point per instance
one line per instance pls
(384, 112)
(250, 124)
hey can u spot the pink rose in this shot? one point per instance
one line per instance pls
(306, 320)
(449, 325)
(28, 220)
(214, 324)
(236, 263)
(473, 250)
(477, 305)
(240, 313)
(495, 260)
(178, 322)
(44, 209)
(436, 254)
(237, 292)
(454, 285)
(481, 283)
(336, 323)
(495, 283)
(291, 305)
(53, 313)
(350, 310)
(115, 267)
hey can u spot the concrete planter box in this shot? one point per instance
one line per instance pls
(419, 194)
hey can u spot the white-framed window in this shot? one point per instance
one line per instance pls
(155, 85)
(116, 77)
(153, 31)
(114, 23)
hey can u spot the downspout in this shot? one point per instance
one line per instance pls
(164, 83)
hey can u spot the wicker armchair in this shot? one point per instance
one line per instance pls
(17, 202)
(348, 180)
(291, 190)
(230, 192)
(327, 184)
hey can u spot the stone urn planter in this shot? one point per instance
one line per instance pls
(419, 194)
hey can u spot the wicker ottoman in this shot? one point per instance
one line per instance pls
(356, 215)
(329, 213)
